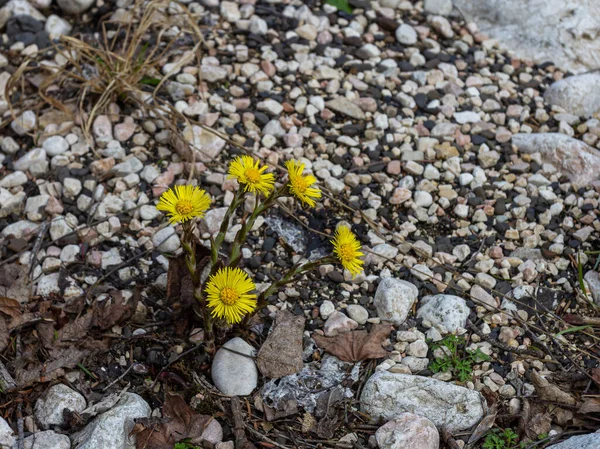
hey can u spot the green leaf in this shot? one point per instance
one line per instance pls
(342, 5)
(150, 81)
(573, 329)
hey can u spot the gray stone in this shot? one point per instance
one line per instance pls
(206, 145)
(357, 313)
(449, 311)
(408, 431)
(213, 73)
(59, 228)
(112, 429)
(589, 441)
(394, 298)
(527, 254)
(440, 7)
(49, 408)
(14, 179)
(258, 26)
(30, 158)
(483, 298)
(57, 26)
(593, 281)
(571, 156)
(128, 166)
(230, 11)
(18, 8)
(387, 395)
(20, 229)
(48, 285)
(24, 123)
(55, 145)
(578, 95)
(233, 373)
(564, 32)
(326, 309)
(466, 117)
(75, 6)
(166, 240)
(346, 107)
(7, 436)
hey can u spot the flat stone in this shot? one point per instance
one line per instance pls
(571, 156)
(206, 145)
(346, 107)
(387, 395)
(166, 240)
(590, 441)
(47, 439)
(405, 34)
(235, 374)
(338, 323)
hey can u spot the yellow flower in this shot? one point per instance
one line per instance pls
(300, 186)
(182, 203)
(227, 294)
(248, 172)
(347, 249)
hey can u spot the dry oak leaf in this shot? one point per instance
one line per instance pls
(281, 353)
(355, 346)
(181, 423)
(550, 392)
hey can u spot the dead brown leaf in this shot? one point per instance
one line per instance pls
(77, 329)
(3, 334)
(281, 353)
(10, 307)
(550, 392)
(14, 282)
(590, 405)
(182, 423)
(596, 375)
(355, 346)
(109, 313)
(52, 369)
(484, 425)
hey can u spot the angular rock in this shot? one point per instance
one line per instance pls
(449, 311)
(553, 30)
(394, 298)
(7, 436)
(578, 95)
(166, 240)
(571, 156)
(75, 6)
(47, 439)
(338, 323)
(408, 431)
(593, 281)
(589, 441)
(233, 373)
(112, 429)
(206, 145)
(49, 408)
(387, 395)
(440, 7)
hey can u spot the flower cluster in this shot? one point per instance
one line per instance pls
(227, 294)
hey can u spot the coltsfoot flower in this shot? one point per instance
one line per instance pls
(228, 294)
(183, 203)
(346, 248)
(300, 185)
(251, 175)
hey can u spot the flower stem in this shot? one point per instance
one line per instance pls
(216, 244)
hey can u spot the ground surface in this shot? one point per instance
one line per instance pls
(406, 117)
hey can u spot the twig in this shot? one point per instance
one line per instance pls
(241, 442)
(21, 436)
(262, 437)
(7, 383)
(179, 357)
(118, 378)
(448, 439)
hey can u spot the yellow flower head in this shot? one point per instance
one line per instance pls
(346, 248)
(227, 294)
(182, 203)
(300, 186)
(248, 172)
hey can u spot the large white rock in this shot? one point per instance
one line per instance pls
(571, 156)
(47, 439)
(394, 298)
(7, 436)
(565, 32)
(50, 407)
(112, 428)
(590, 441)
(447, 311)
(387, 395)
(233, 373)
(408, 431)
(578, 95)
